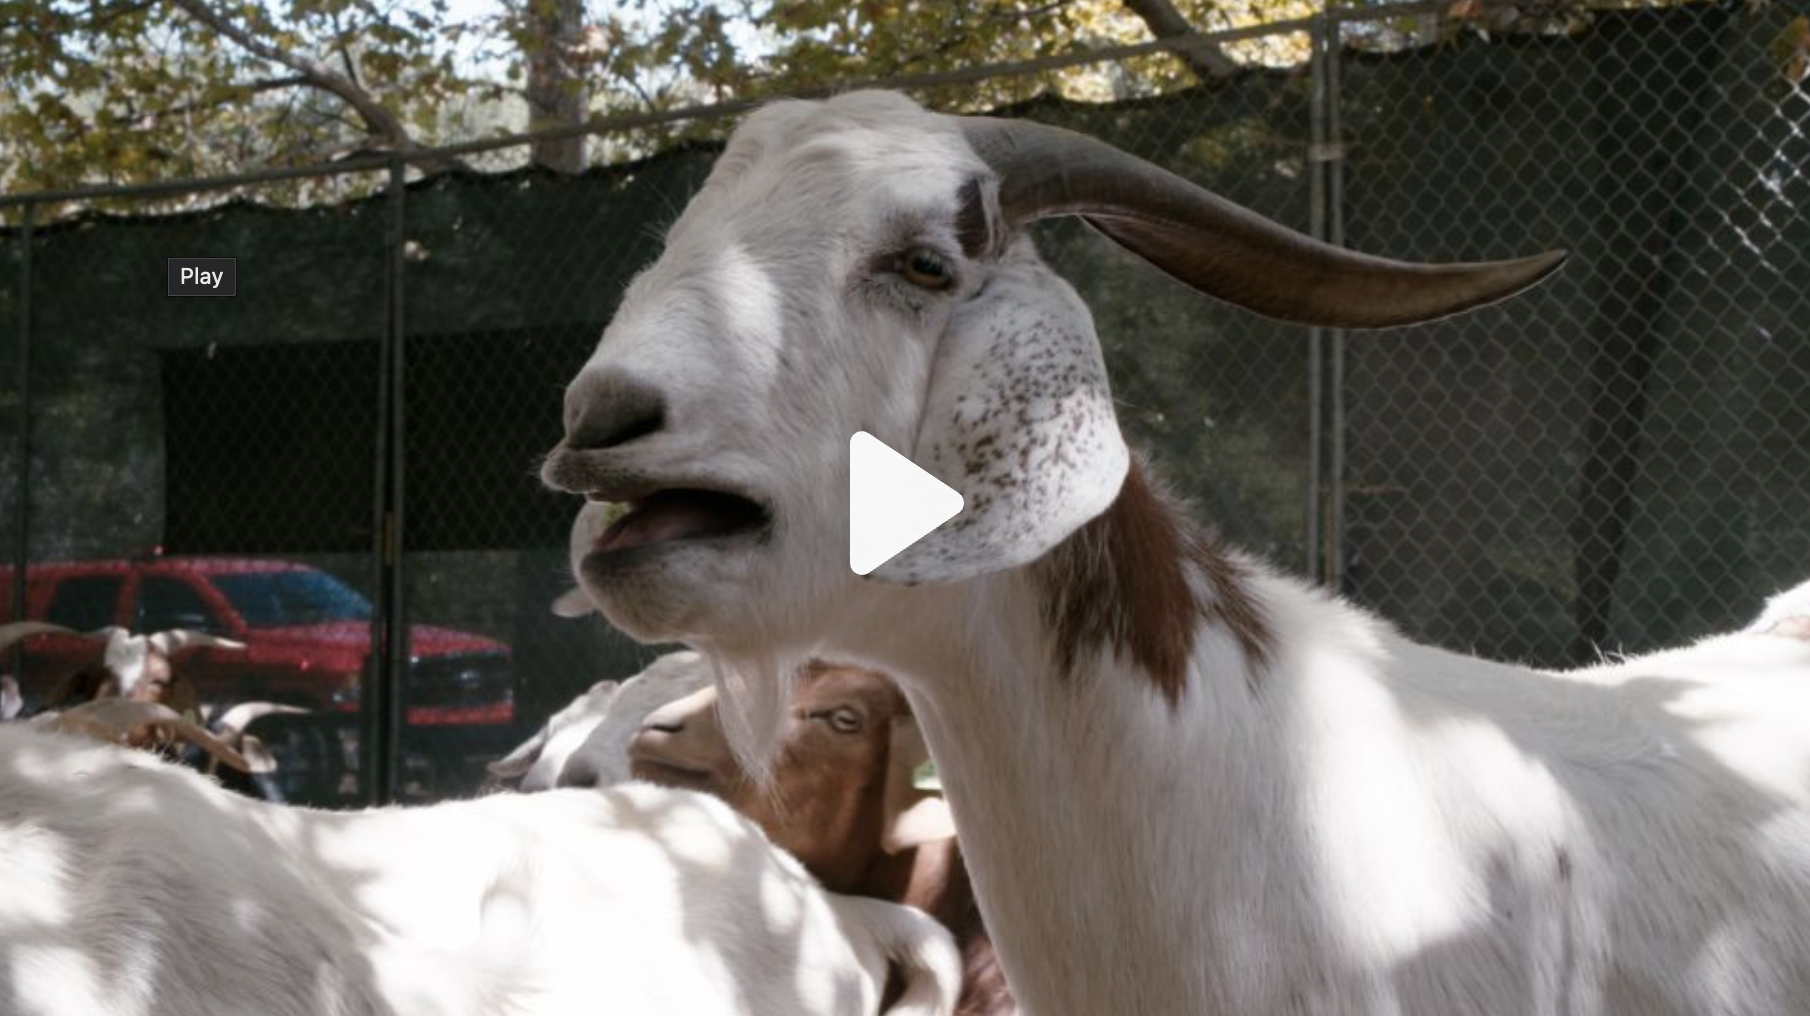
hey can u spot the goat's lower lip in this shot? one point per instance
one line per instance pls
(669, 775)
(677, 513)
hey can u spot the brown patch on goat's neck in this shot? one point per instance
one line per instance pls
(1140, 580)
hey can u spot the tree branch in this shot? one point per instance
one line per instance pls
(345, 54)
(379, 122)
(1205, 59)
(1003, 14)
(101, 17)
(272, 84)
(185, 108)
(345, 60)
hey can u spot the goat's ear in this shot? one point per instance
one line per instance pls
(126, 657)
(910, 817)
(1019, 421)
(574, 603)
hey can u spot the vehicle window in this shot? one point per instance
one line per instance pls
(276, 598)
(84, 602)
(165, 603)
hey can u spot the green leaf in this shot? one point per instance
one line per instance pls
(924, 777)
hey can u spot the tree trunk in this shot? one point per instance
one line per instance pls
(1645, 138)
(557, 95)
(1208, 62)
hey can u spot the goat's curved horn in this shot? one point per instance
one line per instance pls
(137, 725)
(13, 631)
(1221, 248)
(168, 642)
(187, 730)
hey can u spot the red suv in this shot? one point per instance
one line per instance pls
(307, 635)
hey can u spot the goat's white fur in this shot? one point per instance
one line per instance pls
(132, 887)
(1362, 825)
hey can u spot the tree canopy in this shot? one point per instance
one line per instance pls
(123, 91)
(128, 90)
(120, 91)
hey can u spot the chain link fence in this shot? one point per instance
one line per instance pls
(337, 465)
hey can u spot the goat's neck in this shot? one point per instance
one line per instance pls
(1059, 701)
(1288, 808)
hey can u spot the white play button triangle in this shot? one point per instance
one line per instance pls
(891, 503)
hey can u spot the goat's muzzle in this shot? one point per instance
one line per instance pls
(610, 408)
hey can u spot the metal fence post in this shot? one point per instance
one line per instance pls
(1334, 163)
(397, 641)
(22, 539)
(1316, 339)
(381, 705)
(1326, 346)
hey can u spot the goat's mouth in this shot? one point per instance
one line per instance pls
(669, 775)
(670, 515)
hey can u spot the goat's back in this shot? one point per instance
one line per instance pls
(129, 886)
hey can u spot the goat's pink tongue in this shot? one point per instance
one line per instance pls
(675, 515)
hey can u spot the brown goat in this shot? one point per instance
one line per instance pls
(841, 801)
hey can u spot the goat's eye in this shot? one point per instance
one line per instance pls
(843, 720)
(926, 269)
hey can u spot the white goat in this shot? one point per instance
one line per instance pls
(842, 798)
(135, 723)
(586, 743)
(132, 887)
(129, 657)
(136, 666)
(535, 763)
(1185, 784)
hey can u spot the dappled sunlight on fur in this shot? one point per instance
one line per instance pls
(133, 887)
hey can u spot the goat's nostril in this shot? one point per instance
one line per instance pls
(604, 410)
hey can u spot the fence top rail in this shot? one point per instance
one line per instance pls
(1335, 13)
